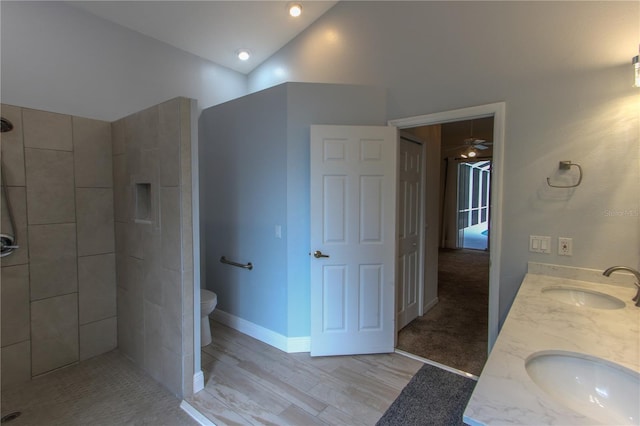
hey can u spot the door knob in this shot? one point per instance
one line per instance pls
(318, 254)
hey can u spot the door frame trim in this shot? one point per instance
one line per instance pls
(497, 111)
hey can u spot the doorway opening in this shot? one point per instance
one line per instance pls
(457, 320)
(473, 204)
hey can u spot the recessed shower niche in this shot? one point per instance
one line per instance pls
(143, 210)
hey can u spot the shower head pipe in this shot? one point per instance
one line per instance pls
(8, 242)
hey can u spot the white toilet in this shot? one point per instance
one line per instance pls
(208, 302)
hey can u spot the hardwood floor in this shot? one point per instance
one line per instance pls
(248, 382)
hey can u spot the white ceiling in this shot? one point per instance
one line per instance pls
(213, 30)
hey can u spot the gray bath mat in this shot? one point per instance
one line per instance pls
(433, 397)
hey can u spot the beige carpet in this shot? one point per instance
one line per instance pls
(105, 390)
(454, 332)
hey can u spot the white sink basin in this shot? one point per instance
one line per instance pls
(583, 297)
(604, 391)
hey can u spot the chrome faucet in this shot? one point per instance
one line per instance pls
(609, 271)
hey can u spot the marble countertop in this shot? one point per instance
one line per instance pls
(504, 393)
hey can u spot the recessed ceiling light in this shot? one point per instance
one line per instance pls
(243, 54)
(295, 10)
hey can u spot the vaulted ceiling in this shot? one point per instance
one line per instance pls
(213, 30)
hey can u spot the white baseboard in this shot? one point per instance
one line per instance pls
(198, 382)
(429, 305)
(277, 340)
(298, 344)
(195, 414)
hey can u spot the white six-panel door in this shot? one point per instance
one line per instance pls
(409, 232)
(353, 239)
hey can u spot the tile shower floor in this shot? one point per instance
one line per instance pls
(105, 390)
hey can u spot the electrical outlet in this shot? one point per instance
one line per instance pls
(565, 246)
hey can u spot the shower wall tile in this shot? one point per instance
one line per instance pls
(172, 372)
(117, 137)
(172, 334)
(92, 153)
(187, 312)
(131, 343)
(186, 234)
(126, 272)
(16, 363)
(47, 291)
(169, 142)
(133, 155)
(152, 266)
(121, 188)
(18, 197)
(13, 147)
(172, 313)
(120, 237)
(134, 303)
(97, 287)
(133, 239)
(151, 315)
(94, 211)
(98, 337)
(14, 300)
(120, 271)
(187, 372)
(148, 172)
(53, 266)
(149, 167)
(126, 333)
(185, 145)
(47, 130)
(50, 186)
(153, 340)
(170, 225)
(152, 245)
(141, 129)
(54, 333)
(152, 277)
(124, 328)
(186, 228)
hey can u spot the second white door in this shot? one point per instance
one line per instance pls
(409, 231)
(353, 239)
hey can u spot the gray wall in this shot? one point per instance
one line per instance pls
(154, 253)
(255, 161)
(60, 58)
(58, 289)
(563, 69)
(244, 166)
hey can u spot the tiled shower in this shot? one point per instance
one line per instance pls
(103, 218)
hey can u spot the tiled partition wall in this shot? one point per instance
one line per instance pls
(154, 254)
(58, 289)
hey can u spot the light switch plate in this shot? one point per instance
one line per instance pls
(539, 244)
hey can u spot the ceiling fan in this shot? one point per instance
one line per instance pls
(472, 144)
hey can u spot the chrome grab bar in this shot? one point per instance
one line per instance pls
(248, 266)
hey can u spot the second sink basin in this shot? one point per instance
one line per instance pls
(604, 391)
(583, 297)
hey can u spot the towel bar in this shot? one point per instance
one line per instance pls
(248, 266)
